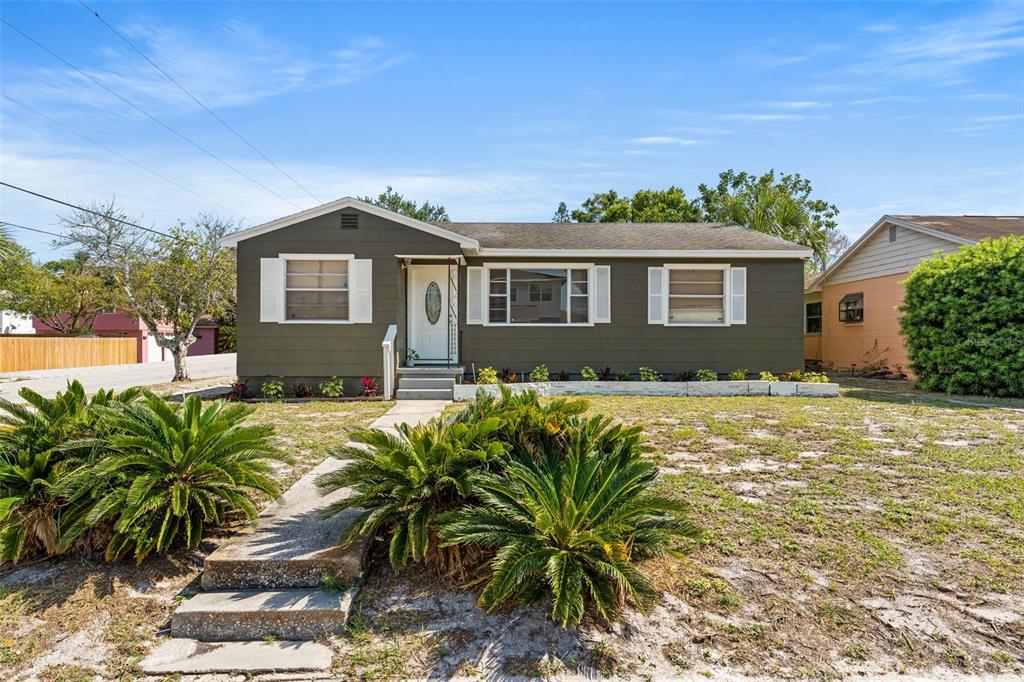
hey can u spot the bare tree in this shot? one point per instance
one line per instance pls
(167, 280)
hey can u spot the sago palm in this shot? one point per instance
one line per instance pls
(402, 482)
(572, 524)
(171, 472)
(40, 441)
(526, 422)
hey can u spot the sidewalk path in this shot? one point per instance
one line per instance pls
(49, 381)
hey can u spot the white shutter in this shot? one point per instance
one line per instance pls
(603, 293)
(474, 296)
(656, 295)
(360, 290)
(738, 296)
(271, 289)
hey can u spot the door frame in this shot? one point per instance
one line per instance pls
(452, 313)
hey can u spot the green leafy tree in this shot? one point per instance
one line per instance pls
(779, 205)
(562, 214)
(963, 319)
(7, 243)
(171, 471)
(645, 206)
(173, 280)
(66, 295)
(572, 523)
(393, 201)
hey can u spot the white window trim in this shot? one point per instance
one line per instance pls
(485, 290)
(726, 293)
(285, 257)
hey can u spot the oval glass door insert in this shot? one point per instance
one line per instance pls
(432, 302)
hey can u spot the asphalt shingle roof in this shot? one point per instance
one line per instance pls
(973, 227)
(620, 236)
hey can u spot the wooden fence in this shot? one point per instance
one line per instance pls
(23, 353)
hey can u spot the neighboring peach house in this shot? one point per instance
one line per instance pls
(851, 316)
(123, 323)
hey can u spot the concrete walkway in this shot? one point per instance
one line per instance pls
(119, 377)
(266, 584)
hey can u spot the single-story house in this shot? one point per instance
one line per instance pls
(851, 318)
(321, 292)
(15, 323)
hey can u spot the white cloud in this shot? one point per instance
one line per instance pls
(881, 27)
(867, 101)
(763, 118)
(799, 104)
(663, 140)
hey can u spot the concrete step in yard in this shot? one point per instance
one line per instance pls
(420, 382)
(424, 393)
(191, 657)
(257, 615)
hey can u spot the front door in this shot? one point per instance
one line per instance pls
(430, 330)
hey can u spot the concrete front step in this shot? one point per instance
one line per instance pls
(426, 382)
(291, 546)
(257, 615)
(424, 393)
(189, 657)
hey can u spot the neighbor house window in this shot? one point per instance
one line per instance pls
(696, 296)
(538, 295)
(812, 318)
(316, 290)
(851, 308)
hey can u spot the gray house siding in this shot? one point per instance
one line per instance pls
(772, 339)
(315, 351)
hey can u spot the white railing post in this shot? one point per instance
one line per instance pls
(388, 348)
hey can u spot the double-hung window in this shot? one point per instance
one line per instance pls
(812, 317)
(543, 295)
(696, 295)
(317, 290)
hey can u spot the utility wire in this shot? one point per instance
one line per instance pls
(197, 101)
(4, 223)
(145, 113)
(87, 210)
(118, 154)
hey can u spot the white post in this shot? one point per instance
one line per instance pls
(388, 348)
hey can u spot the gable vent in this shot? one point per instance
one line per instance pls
(892, 234)
(350, 221)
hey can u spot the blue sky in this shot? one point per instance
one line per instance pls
(501, 110)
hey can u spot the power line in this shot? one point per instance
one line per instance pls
(197, 101)
(145, 113)
(87, 210)
(118, 154)
(30, 229)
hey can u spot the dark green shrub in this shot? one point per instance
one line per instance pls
(333, 388)
(272, 388)
(588, 374)
(963, 320)
(170, 471)
(648, 374)
(707, 375)
(739, 374)
(524, 421)
(540, 373)
(571, 522)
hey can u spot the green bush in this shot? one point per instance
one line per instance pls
(588, 374)
(272, 388)
(402, 483)
(525, 421)
(571, 522)
(707, 375)
(739, 374)
(488, 375)
(806, 377)
(333, 388)
(648, 374)
(623, 375)
(540, 373)
(963, 320)
(169, 471)
(768, 376)
(40, 443)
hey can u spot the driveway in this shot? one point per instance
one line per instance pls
(49, 381)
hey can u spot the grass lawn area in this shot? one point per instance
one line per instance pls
(876, 532)
(66, 619)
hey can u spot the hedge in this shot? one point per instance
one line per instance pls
(963, 320)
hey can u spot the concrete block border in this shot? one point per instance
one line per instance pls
(682, 389)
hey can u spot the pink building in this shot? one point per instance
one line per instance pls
(122, 323)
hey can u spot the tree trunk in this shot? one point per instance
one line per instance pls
(179, 352)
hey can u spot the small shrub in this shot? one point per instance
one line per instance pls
(487, 375)
(562, 375)
(540, 373)
(815, 378)
(302, 391)
(370, 387)
(648, 374)
(507, 376)
(707, 375)
(606, 374)
(526, 422)
(768, 376)
(739, 374)
(272, 388)
(239, 391)
(623, 375)
(333, 388)
(588, 374)
(688, 375)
